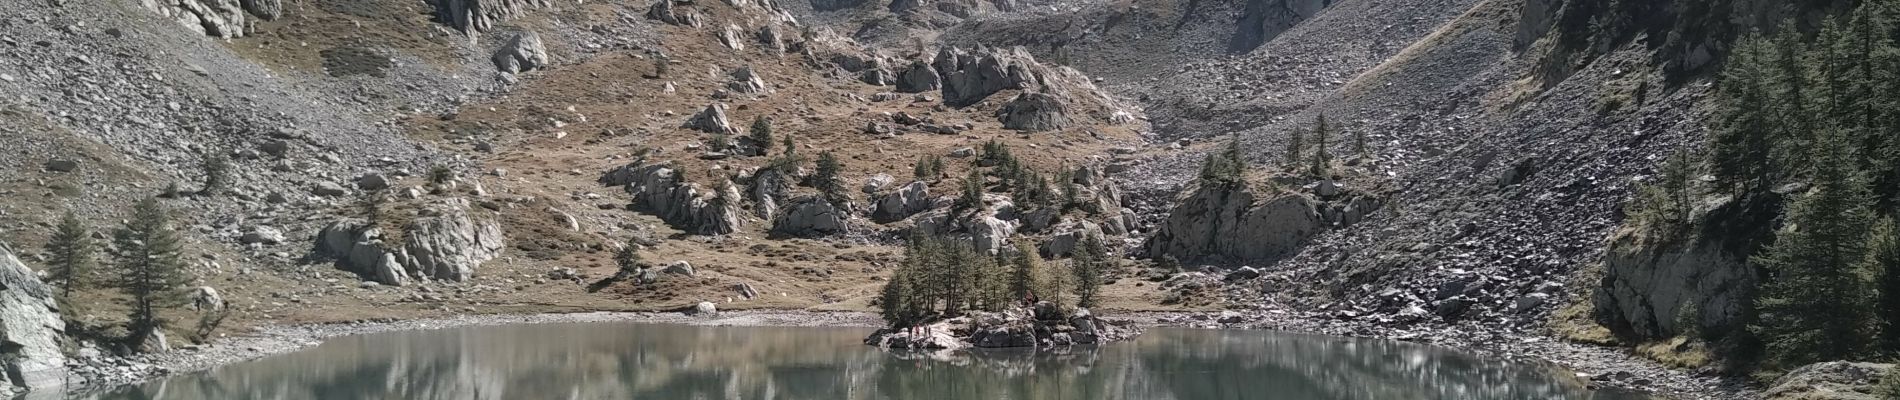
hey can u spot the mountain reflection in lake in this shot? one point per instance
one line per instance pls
(637, 361)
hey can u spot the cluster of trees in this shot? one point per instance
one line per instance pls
(945, 277)
(1228, 167)
(147, 256)
(1822, 108)
(1026, 186)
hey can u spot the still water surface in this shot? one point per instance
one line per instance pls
(646, 361)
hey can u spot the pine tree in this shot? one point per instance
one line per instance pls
(761, 134)
(1743, 141)
(1225, 168)
(1025, 272)
(970, 196)
(828, 181)
(217, 170)
(1322, 161)
(149, 257)
(70, 254)
(895, 300)
(1883, 263)
(1089, 262)
(1813, 304)
(928, 168)
(1295, 148)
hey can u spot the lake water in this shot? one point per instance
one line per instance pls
(644, 361)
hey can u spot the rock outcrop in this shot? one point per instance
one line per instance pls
(712, 119)
(443, 242)
(969, 77)
(902, 203)
(220, 18)
(811, 216)
(1834, 380)
(1034, 112)
(919, 77)
(1235, 224)
(744, 80)
(658, 189)
(30, 329)
(1653, 283)
(666, 11)
(521, 54)
(472, 16)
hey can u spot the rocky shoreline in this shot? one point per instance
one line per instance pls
(1600, 367)
(1044, 326)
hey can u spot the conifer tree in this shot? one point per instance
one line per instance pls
(761, 134)
(1025, 272)
(1089, 263)
(70, 254)
(1812, 304)
(1225, 168)
(1322, 160)
(827, 180)
(1295, 148)
(895, 301)
(970, 195)
(149, 257)
(1883, 263)
(1743, 140)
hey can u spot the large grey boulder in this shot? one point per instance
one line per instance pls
(444, 242)
(521, 54)
(1650, 286)
(30, 328)
(220, 18)
(472, 16)
(1034, 112)
(1235, 224)
(811, 216)
(919, 77)
(712, 119)
(903, 202)
(666, 11)
(744, 80)
(969, 77)
(659, 190)
(1071, 235)
(1834, 380)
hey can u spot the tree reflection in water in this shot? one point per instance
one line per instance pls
(634, 361)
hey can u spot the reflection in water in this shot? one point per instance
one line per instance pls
(634, 361)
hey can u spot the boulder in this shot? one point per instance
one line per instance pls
(1234, 224)
(61, 165)
(680, 267)
(810, 216)
(877, 182)
(917, 78)
(666, 11)
(262, 235)
(1034, 112)
(329, 189)
(991, 234)
(1071, 234)
(372, 182)
(704, 309)
(968, 77)
(732, 37)
(443, 242)
(523, 53)
(877, 77)
(712, 119)
(30, 329)
(744, 80)
(902, 203)
(1833, 380)
(1241, 274)
(206, 299)
(745, 290)
(220, 18)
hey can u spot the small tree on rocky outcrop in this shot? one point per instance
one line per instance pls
(1089, 262)
(1666, 202)
(1225, 168)
(828, 181)
(70, 255)
(1813, 302)
(150, 260)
